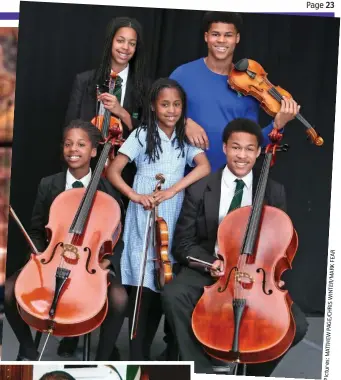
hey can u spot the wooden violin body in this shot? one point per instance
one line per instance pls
(163, 266)
(249, 78)
(267, 327)
(82, 301)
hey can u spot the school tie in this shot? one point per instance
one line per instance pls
(77, 184)
(238, 195)
(118, 88)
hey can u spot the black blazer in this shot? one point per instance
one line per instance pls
(82, 105)
(196, 229)
(49, 188)
(83, 102)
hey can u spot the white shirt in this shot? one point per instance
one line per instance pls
(228, 186)
(70, 179)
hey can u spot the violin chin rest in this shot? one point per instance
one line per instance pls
(242, 65)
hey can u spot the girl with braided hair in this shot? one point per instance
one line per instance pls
(159, 145)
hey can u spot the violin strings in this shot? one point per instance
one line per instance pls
(279, 97)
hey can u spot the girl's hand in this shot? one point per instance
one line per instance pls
(162, 195)
(111, 103)
(147, 201)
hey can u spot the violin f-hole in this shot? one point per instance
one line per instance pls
(264, 282)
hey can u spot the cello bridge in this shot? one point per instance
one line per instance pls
(244, 279)
(70, 254)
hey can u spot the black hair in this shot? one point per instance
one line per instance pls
(136, 64)
(149, 121)
(243, 125)
(57, 375)
(224, 17)
(93, 133)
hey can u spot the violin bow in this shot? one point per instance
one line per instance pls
(142, 273)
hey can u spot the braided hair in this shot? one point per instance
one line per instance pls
(150, 122)
(136, 64)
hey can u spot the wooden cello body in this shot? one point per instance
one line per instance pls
(63, 291)
(267, 327)
(245, 316)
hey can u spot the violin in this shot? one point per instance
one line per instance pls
(245, 316)
(163, 266)
(106, 123)
(63, 290)
(249, 78)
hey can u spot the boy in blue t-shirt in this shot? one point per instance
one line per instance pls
(212, 104)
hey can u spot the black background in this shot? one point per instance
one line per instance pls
(57, 41)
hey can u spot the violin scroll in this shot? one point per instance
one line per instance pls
(315, 137)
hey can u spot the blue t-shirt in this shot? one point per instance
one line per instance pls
(213, 104)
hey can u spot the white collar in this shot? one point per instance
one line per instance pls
(70, 179)
(229, 178)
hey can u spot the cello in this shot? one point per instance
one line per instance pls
(248, 77)
(245, 316)
(63, 290)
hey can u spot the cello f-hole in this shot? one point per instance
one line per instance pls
(221, 290)
(43, 261)
(264, 282)
(92, 271)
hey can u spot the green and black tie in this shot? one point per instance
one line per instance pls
(238, 195)
(118, 88)
(77, 184)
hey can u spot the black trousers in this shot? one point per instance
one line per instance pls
(109, 330)
(147, 322)
(179, 299)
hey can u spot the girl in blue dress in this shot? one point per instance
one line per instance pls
(158, 146)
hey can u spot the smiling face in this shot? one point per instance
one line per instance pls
(78, 151)
(168, 109)
(123, 46)
(221, 40)
(241, 150)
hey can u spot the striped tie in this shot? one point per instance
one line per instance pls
(118, 88)
(238, 195)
